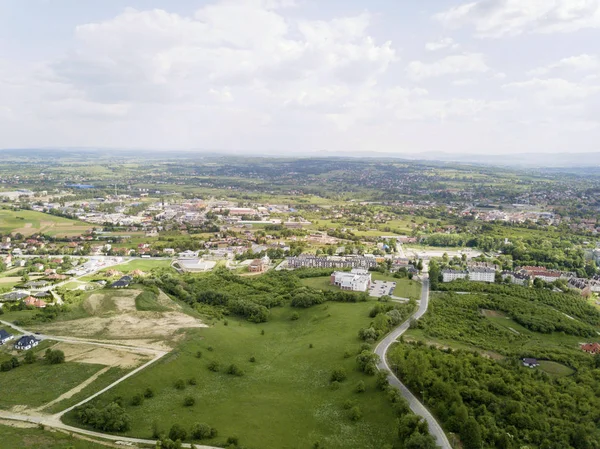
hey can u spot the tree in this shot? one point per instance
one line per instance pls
(177, 433)
(54, 357)
(202, 431)
(420, 441)
(355, 413)
(470, 434)
(360, 387)
(30, 357)
(338, 375)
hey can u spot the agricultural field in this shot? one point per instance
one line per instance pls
(22, 435)
(284, 396)
(29, 222)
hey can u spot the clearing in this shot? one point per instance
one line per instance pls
(17, 435)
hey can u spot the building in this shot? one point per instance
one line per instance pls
(331, 262)
(591, 348)
(5, 336)
(259, 265)
(26, 342)
(357, 280)
(530, 363)
(482, 274)
(516, 278)
(122, 283)
(196, 265)
(452, 275)
(14, 296)
(34, 302)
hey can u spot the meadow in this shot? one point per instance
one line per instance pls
(29, 222)
(32, 437)
(283, 399)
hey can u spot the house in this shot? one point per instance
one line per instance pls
(35, 302)
(26, 342)
(122, 283)
(357, 280)
(591, 348)
(5, 336)
(530, 363)
(14, 296)
(259, 265)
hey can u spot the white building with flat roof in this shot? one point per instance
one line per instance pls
(357, 280)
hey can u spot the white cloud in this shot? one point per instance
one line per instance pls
(446, 42)
(582, 62)
(450, 65)
(496, 18)
(555, 90)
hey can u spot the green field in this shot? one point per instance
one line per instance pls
(148, 302)
(29, 222)
(283, 400)
(36, 438)
(320, 283)
(555, 369)
(39, 383)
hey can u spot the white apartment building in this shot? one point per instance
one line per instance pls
(357, 280)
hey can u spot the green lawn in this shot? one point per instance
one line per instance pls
(555, 369)
(284, 399)
(405, 288)
(35, 438)
(38, 384)
(320, 283)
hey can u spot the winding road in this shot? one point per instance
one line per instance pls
(381, 350)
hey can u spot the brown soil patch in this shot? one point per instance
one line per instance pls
(164, 300)
(127, 326)
(98, 355)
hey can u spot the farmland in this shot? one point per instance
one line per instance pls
(28, 222)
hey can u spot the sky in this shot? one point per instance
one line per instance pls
(287, 77)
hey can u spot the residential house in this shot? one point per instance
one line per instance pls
(530, 363)
(34, 302)
(591, 348)
(259, 265)
(451, 275)
(5, 336)
(14, 296)
(26, 342)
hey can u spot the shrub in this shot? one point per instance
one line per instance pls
(262, 332)
(111, 418)
(179, 384)
(310, 346)
(335, 385)
(192, 381)
(29, 357)
(210, 348)
(382, 380)
(225, 323)
(348, 404)
(360, 387)
(355, 413)
(367, 362)
(233, 440)
(54, 357)
(213, 366)
(137, 399)
(199, 354)
(234, 370)
(189, 401)
(338, 375)
(148, 393)
(295, 316)
(202, 431)
(347, 354)
(177, 433)
(252, 359)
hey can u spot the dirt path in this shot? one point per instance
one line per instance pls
(73, 391)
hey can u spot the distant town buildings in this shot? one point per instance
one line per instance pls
(309, 261)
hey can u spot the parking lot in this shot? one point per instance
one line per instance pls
(381, 288)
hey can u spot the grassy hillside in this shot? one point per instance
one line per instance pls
(35, 438)
(29, 222)
(284, 398)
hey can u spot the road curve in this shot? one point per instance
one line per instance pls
(381, 350)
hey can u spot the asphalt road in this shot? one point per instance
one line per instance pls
(434, 428)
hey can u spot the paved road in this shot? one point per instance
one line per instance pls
(434, 428)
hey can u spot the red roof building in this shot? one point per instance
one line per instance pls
(591, 348)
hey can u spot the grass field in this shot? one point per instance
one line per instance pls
(555, 369)
(39, 383)
(320, 283)
(29, 222)
(35, 438)
(148, 302)
(283, 400)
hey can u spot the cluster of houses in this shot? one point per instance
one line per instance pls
(357, 280)
(22, 344)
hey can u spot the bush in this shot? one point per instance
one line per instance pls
(382, 380)
(355, 413)
(234, 370)
(177, 433)
(338, 375)
(111, 418)
(210, 348)
(189, 401)
(179, 384)
(335, 385)
(348, 404)
(54, 357)
(137, 399)
(199, 354)
(202, 431)
(29, 357)
(252, 359)
(213, 366)
(367, 362)
(233, 440)
(192, 381)
(347, 354)
(360, 387)
(148, 393)
(295, 316)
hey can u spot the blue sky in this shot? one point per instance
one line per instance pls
(302, 76)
